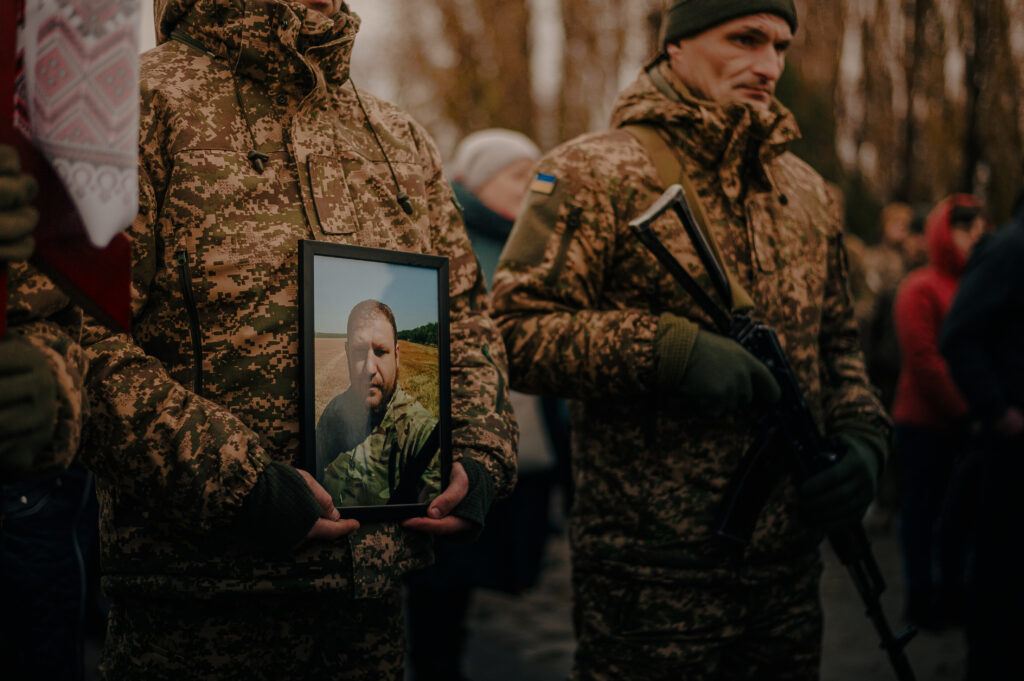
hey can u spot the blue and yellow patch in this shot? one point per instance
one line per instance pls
(543, 184)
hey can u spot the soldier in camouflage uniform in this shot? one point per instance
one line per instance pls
(221, 559)
(664, 407)
(47, 512)
(368, 434)
(369, 471)
(42, 366)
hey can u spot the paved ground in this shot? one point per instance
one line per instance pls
(530, 637)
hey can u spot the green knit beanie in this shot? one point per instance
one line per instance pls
(685, 18)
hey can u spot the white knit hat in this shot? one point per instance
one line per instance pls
(483, 153)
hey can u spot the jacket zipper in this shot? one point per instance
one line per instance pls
(500, 404)
(572, 223)
(186, 40)
(185, 275)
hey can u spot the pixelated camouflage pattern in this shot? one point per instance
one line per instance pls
(42, 315)
(667, 630)
(255, 637)
(360, 475)
(176, 443)
(578, 298)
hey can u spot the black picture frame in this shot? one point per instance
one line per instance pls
(346, 425)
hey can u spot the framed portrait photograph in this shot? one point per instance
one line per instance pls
(376, 391)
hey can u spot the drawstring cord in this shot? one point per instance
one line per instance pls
(256, 158)
(403, 198)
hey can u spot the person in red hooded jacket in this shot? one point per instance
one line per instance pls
(930, 415)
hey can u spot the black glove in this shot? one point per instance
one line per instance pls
(839, 495)
(713, 371)
(17, 217)
(28, 406)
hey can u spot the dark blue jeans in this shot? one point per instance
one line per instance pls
(934, 555)
(49, 533)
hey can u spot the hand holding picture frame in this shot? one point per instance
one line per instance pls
(376, 391)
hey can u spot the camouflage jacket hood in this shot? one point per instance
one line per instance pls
(726, 139)
(579, 301)
(265, 40)
(252, 139)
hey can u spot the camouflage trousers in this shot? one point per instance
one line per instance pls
(652, 631)
(253, 636)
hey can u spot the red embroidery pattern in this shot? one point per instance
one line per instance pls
(80, 94)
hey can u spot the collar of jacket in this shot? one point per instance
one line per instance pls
(732, 140)
(359, 427)
(275, 41)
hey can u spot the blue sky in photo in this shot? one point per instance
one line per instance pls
(341, 283)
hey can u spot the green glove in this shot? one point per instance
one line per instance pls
(17, 217)
(28, 406)
(477, 502)
(713, 371)
(838, 496)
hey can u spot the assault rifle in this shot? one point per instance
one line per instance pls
(787, 439)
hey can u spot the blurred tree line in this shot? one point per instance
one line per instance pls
(897, 100)
(424, 335)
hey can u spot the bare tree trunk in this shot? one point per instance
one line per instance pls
(915, 28)
(476, 66)
(595, 33)
(896, 99)
(992, 149)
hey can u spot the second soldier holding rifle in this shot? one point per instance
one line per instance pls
(665, 406)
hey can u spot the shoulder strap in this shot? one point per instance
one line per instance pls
(409, 478)
(671, 172)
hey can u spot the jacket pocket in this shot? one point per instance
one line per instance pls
(572, 225)
(783, 238)
(231, 238)
(354, 195)
(237, 221)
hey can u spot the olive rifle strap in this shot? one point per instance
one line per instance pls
(670, 170)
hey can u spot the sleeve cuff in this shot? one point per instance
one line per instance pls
(279, 511)
(673, 343)
(477, 502)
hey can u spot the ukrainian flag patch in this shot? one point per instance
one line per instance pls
(543, 184)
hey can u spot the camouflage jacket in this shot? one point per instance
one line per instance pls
(578, 299)
(365, 466)
(40, 314)
(192, 407)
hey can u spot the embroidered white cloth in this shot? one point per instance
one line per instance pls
(81, 96)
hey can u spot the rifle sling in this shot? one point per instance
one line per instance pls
(405, 492)
(670, 171)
